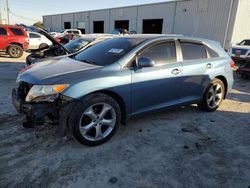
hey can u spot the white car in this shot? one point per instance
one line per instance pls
(37, 41)
(66, 31)
(54, 34)
(241, 51)
(72, 31)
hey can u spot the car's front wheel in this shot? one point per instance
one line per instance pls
(213, 96)
(95, 119)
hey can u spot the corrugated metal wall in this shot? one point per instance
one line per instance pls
(165, 11)
(101, 15)
(213, 19)
(82, 17)
(128, 13)
(206, 18)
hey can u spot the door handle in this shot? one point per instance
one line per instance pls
(209, 66)
(176, 71)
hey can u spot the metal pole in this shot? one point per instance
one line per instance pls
(8, 11)
(0, 15)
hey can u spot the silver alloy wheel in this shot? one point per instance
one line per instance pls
(15, 51)
(215, 95)
(97, 122)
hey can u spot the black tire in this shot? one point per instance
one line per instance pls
(204, 105)
(81, 107)
(15, 51)
(29, 123)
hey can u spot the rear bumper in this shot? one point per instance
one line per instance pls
(25, 46)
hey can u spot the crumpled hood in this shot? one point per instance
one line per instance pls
(53, 68)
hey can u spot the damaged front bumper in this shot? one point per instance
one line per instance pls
(59, 110)
(36, 110)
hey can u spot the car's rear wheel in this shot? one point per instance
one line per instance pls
(213, 96)
(95, 119)
(43, 45)
(15, 51)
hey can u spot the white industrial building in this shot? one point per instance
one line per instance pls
(227, 21)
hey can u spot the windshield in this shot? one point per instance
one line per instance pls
(76, 45)
(109, 51)
(245, 43)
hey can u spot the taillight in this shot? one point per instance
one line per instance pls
(232, 64)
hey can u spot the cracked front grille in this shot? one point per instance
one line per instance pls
(23, 90)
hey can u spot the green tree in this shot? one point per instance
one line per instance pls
(39, 25)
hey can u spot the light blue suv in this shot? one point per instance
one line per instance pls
(105, 85)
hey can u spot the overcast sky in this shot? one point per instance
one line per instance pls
(30, 11)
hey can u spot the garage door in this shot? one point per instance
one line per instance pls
(152, 26)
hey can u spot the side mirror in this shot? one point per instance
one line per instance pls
(145, 62)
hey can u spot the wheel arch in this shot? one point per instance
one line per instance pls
(120, 102)
(224, 80)
(43, 43)
(16, 43)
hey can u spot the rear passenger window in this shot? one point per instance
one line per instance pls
(3, 31)
(17, 32)
(212, 53)
(76, 32)
(33, 36)
(192, 51)
(161, 53)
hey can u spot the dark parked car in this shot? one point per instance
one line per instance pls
(120, 78)
(241, 51)
(244, 70)
(13, 40)
(70, 49)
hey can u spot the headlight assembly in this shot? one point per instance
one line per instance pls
(45, 93)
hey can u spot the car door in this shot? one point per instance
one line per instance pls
(196, 69)
(157, 86)
(34, 41)
(3, 38)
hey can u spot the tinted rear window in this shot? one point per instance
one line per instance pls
(192, 51)
(76, 32)
(212, 53)
(109, 51)
(33, 35)
(17, 32)
(245, 42)
(3, 31)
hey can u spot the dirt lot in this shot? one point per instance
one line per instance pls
(176, 148)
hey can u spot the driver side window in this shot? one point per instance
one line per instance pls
(163, 53)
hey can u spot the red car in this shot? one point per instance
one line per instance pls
(13, 40)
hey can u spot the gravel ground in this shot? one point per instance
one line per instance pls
(183, 147)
